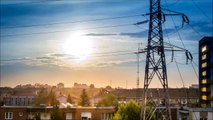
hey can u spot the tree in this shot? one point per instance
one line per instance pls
(36, 116)
(57, 114)
(52, 99)
(108, 87)
(108, 100)
(92, 86)
(45, 98)
(69, 99)
(130, 111)
(41, 98)
(84, 99)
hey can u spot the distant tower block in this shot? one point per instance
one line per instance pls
(206, 72)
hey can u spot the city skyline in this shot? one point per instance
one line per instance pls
(93, 42)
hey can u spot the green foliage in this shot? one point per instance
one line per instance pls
(84, 99)
(41, 98)
(69, 99)
(150, 109)
(52, 99)
(57, 114)
(45, 98)
(130, 111)
(36, 116)
(108, 100)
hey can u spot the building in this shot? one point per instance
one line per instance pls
(83, 86)
(20, 99)
(205, 112)
(62, 99)
(194, 86)
(98, 97)
(201, 113)
(206, 72)
(178, 96)
(4, 92)
(68, 113)
(44, 113)
(205, 109)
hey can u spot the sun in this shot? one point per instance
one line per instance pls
(78, 46)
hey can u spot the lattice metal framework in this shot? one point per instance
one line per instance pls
(155, 57)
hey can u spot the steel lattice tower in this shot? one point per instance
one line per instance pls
(155, 57)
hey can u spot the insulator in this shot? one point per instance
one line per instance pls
(191, 56)
(186, 19)
(188, 56)
(172, 55)
(164, 17)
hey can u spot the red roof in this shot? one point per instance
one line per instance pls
(24, 94)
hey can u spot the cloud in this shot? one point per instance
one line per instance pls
(99, 34)
(136, 34)
(196, 30)
(112, 63)
(140, 34)
(34, 61)
(204, 26)
(55, 61)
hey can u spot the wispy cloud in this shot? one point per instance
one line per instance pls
(204, 27)
(99, 34)
(59, 61)
(139, 34)
(102, 64)
(49, 59)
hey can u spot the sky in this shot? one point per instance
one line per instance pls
(93, 41)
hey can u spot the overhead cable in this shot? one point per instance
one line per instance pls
(68, 22)
(195, 4)
(61, 31)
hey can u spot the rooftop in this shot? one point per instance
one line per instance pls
(206, 39)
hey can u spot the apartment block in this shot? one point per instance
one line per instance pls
(206, 72)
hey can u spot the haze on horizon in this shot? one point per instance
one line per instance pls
(76, 41)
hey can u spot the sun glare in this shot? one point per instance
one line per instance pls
(78, 46)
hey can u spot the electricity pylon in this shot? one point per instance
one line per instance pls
(155, 55)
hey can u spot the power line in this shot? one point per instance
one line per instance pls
(113, 52)
(118, 54)
(181, 77)
(183, 45)
(182, 42)
(25, 3)
(194, 70)
(202, 11)
(140, 27)
(195, 63)
(31, 2)
(176, 63)
(104, 54)
(174, 3)
(58, 31)
(69, 22)
(195, 30)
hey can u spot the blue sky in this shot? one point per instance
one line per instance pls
(35, 36)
